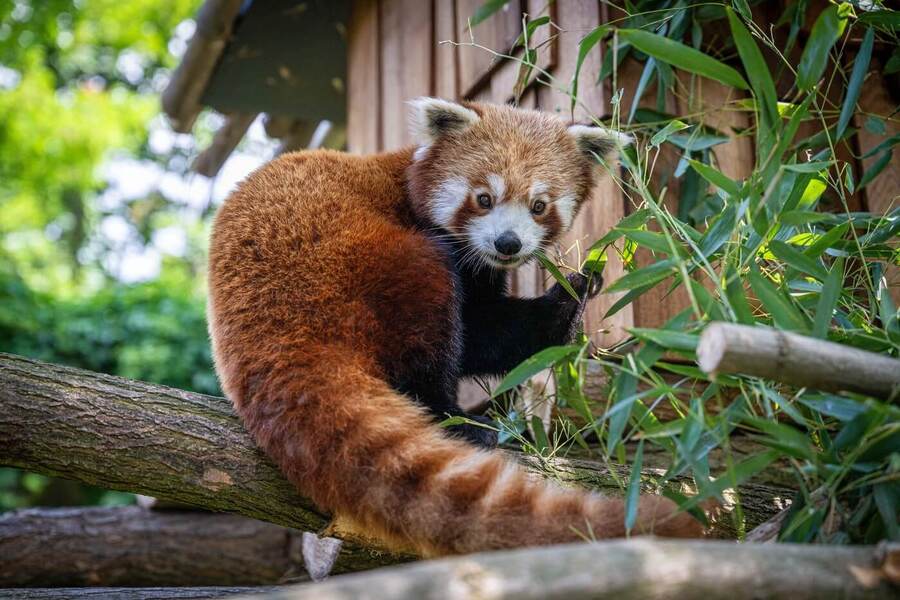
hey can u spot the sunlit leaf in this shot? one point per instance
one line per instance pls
(683, 57)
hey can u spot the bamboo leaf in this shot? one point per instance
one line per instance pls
(532, 366)
(735, 476)
(737, 298)
(586, 44)
(485, 11)
(826, 241)
(556, 273)
(540, 435)
(683, 57)
(860, 67)
(663, 134)
(876, 169)
(827, 29)
(649, 239)
(670, 340)
(633, 495)
(644, 276)
(828, 299)
(717, 178)
(784, 313)
(756, 69)
(809, 167)
(719, 232)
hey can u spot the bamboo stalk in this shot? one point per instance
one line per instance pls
(796, 360)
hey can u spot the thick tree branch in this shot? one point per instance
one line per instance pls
(149, 439)
(134, 546)
(190, 448)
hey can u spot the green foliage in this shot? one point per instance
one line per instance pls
(781, 248)
(79, 85)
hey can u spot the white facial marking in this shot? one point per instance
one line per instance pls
(447, 199)
(508, 216)
(565, 208)
(498, 186)
(537, 188)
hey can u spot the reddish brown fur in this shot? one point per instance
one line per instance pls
(320, 286)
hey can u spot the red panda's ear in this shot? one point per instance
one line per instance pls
(598, 142)
(431, 118)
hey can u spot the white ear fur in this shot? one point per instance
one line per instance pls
(431, 118)
(598, 141)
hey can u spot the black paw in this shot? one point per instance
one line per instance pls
(586, 285)
(475, 434)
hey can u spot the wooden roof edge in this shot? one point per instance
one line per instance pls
(181, 98)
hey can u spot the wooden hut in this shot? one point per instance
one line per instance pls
(355, 64)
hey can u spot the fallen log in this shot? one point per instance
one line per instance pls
(136, 547)
(153, 440)
(189, 448)
(128, 593)
(797, 360)
(624, 569)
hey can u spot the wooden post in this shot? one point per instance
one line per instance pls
(796, 360)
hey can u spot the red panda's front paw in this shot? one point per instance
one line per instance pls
(586, 285)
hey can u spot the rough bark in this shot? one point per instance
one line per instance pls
(190, 448)
(152, 440)
(126, 593)
(796, 360)
(624, 569)
(136, 547)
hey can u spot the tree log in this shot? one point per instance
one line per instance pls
(136, 547)
(796, 360)
(149, 439)
(638, 568)
(130, 593)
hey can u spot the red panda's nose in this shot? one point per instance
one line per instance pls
(508, 243)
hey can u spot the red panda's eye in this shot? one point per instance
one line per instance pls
(538, 207)
(484, 200)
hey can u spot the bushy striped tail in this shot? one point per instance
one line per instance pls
(367, 454)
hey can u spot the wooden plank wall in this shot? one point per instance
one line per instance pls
(396, 54)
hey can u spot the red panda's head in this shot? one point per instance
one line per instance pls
(506, 181)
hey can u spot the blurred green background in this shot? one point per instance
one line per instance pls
(102, 228)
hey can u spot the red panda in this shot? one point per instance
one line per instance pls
(348, 295)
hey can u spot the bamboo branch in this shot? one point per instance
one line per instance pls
(190, 449)
(625, 569)
(796, 360)
(134, 546)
